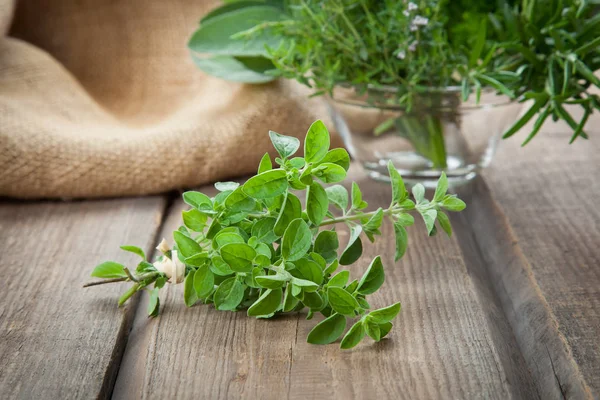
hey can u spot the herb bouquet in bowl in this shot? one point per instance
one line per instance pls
(429, 85)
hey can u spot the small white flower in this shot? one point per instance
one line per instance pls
(406, 13)
(420, 20)
(413, 28)
(401, 54)
(413, 46)
(163, 247)
(412, 6)
(172, 268)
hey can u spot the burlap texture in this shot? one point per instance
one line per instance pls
(100, 98)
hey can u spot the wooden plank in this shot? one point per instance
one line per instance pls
(58, 340)
(445, 343)
(537, 222)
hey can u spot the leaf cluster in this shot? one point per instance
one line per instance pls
(255, 247)
(542, 51)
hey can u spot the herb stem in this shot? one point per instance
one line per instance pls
(354, 217)
(113, 280)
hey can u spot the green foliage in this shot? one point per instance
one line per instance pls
(546, 51)
(253, 247)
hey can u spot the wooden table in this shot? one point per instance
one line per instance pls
(509, 307)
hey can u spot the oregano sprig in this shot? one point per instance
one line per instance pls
(255, 247)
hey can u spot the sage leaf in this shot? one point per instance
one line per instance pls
(328, 330)
(220, 267)
(197, 200)
(339, 157)
(429, 217)
(238, 200)
(398, 189)
(194, 220)
(340, 279)
(309, 270)
(453, 203)
(264, 231)
(418, 192)
(441, 188)
(372, 329)
(444, 222)
(330, 173)
(265, 164)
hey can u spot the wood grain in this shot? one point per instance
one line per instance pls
(58, 340)
(442, 345)
(537, 222)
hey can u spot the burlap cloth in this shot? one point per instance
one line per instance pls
(100, 98)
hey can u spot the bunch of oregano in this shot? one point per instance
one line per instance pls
(255, 247)
(544, 51)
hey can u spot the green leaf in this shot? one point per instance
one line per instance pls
(476, 50)
(309, 270)
(215, 35)
(444, 222)
(266, 185)
(154, 303)
(307, 286)
(228, 295)
(291, 210)
(285, 145)
(401, 240)
(231, 6)
(197, 260)
(330, 173)
(238, 201)
(273, 281)
(265, 164)
(326, 244)
(354, 335)
(289, 301)
(263, 230)
(313, 300)
(316, 143)
(197, 200)
(189, 294)
(373, 278)
(317, 203)
(250, 69)
(418, 192)
(194, 220)
(338, 195)
(109, 269)
(384, 329)
(386, 314)
(374, 223)
(429, 217)
(135, 250)
(204, 282)
(267, 303)
(339, 157)
(356, 196)
(296, 240)
(341, 301)
(238, 256)
(441, 188)
(398, 188)
(353, 250)
(328, 330)
(372, 329)
(453, 203)
(225, 186)
(537, 105)
(331, 268)
(405, 219)
(225, 237)
(220, 267)
(186, 245)
(340, 279)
